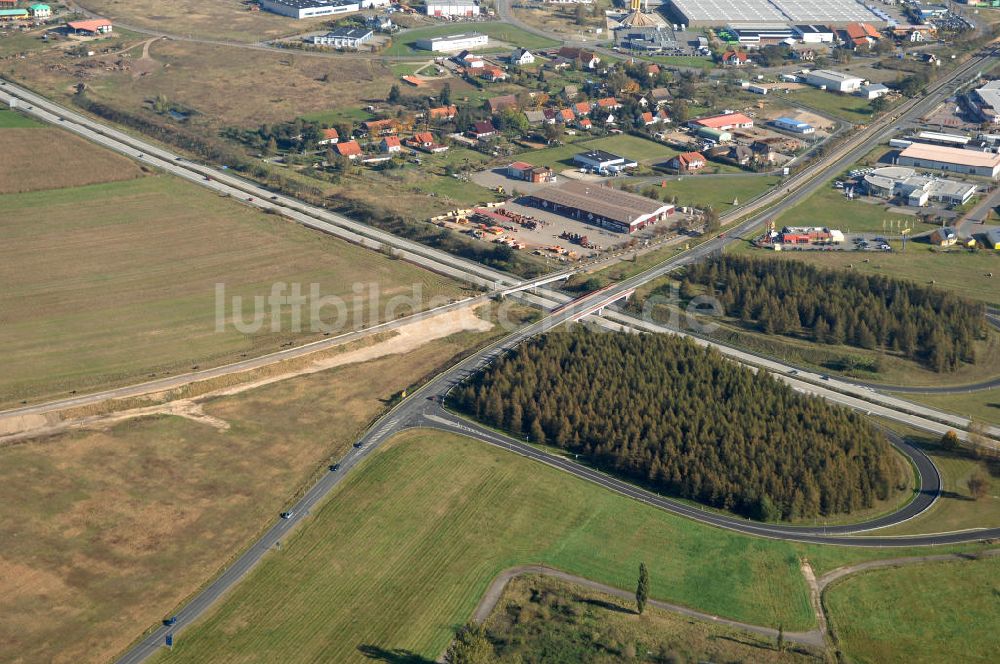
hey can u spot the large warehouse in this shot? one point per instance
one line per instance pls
(838, 13)
(955, 160)
(603, 206)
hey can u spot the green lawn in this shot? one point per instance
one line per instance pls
(830, 207)
(703, 191)
(404, 549)
(346, 114)
(983, 405)
(405, 42)
(846, 107)
(684, 61)
(938, 612)
(460, 191)
(105, 284)
(11, 119)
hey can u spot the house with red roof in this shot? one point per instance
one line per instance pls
(735, 58)
(608, 103)
(649, 119)
(92, 27)
(493, 73)
(582, 108)
(350, 149)
(689, 162)
(860, 35)
(442, 113)
(424, 140)
(652, 70)
(391, 144)
(330, 136)
(585, 124)
(566, 115)
(380, 127)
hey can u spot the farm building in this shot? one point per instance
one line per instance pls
(603, 206)
(834, 80)
(96, 26)
(725, 122)
(872, 91)
(956, 160)
(794, 126)
(716, 135)
(343, 37)
(453, 43)
(450, 8)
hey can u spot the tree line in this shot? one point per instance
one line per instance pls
(681, 419)
(928, 325)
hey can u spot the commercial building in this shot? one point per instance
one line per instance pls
(313, 8)
(986, 101)
(453, 8)
(602, 206)
(13, 14)
(603, 162)
(794, 126)
(872, 91)
(40, 11)
(814, 34)
(955, 160)
(453, 43)
(916, 190)
(521, 170)
(705, 13)
(938, 138)
(762, 35)
(834, 80)
(344, 37)
(724, 122)
(96, 26)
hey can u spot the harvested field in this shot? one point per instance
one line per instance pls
(37, 158)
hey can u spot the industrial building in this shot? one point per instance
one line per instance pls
(453, 8)
(814, 34)
(343, 37)
(794, 126)
(704, 13)
(521, 170)
(834, 80)
(602, 206)
(762, 35)
(314, 8)
(724, 122)
(600, 161)
(916, 190)
(955, 160)
(938, 138)
(987, 102)
(453, 43)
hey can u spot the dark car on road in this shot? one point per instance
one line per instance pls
(287, 515)
(171, 621)
(334, 467)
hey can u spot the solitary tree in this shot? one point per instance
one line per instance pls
(445, 95)
(949, 441)
(394, 94)
(470, 646)
(979, 484)
(642, 589)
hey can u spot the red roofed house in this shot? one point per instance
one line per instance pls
(380, 127)
(442, 112)
(390, 144)
(689, 162)
(649, 119)
(582, 108)
(860, 35)
(735, 58)
(349, 149)
(608, 103)
(491, 73)
(484, 129)
(566, 115)
(585, 124)
(330, 136)
(97, 26)
(725, 122)
(521, 170)
(424, 140)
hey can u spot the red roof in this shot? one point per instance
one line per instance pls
(521, 166)
(348, 148)
(566, 114)
(739, 55)
(413, 80)
(653, 69)
(485, 127)
(391, 141)
(688, 157)
(647, 117)
(424, 137)
(330, 134)
(607, 102)
(582, 108)
(91, 25)
(493, 72)
(443, 112)
(727, 120)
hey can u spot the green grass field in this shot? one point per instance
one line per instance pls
(940, 612)
(830, 207)
(846, 107)
(403, 550)
(718, 192)
(10, 119)
(405, 42)
(685, 61)
(982, 405)
(107, 283)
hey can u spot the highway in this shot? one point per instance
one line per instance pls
(423, 408)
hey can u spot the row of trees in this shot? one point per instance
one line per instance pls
(791, 298)
(683, 420)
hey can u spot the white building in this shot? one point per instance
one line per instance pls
(794, 126)
(603, 162)
(834, 80)
(872, 91)
(814, 34)
(522, 56)
(343, 37)
(40, 11)
(311, 8)
(453, 8)
(451, 43)
(955, 160)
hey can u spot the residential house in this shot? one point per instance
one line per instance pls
(570, 92)
(944, 237)
(652, 70)
(649, 119)
(689, 162)
(738, 155)
(390, 144)
(380, 127)
(442, 113)
(581, 108)
(350, 149)
(521, 57)
(859, 35)
(762, 152)
(659, 96)
(493, 74)
(584, 124)
(535, 117)
(424, 141)
(483, 130)
(735, 58)
(521, 170)
(330, 136)
(587, 59)
(470, 60)
(608, 104)
(566, 116)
